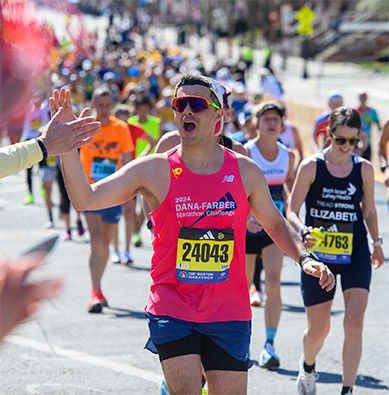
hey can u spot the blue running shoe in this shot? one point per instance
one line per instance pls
(163, 387)
(268, 358)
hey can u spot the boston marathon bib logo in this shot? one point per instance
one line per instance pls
(226, 205)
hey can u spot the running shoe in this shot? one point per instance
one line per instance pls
(204, 391)
(256, 299)
(137, 239)
(103, 299)
(49, 225)
(94, 304)
(67, 236)
(29, 199)
(163, 387)
(128, 258)
(164, 390)
(80, 228)
(115, 258)
(306, 382)
(268, 358)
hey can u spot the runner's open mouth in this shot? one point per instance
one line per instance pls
(188, 126)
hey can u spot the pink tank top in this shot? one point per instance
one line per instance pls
(198, 266)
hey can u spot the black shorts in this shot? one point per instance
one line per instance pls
(255, 244)
(212, 356)
(356, 274)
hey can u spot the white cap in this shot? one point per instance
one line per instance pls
(216, 89)
(212, 85)
(239, 88)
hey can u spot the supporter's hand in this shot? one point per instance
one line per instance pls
(253, 226)
(61, 138)
(20, 299)
(62, 99)
(377, 257)
(318, 269)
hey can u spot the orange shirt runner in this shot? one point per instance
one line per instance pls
(101, 158)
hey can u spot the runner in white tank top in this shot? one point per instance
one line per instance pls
(287, 136)
(276, 161)
(291, 138)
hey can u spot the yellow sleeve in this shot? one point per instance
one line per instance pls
(16, 157)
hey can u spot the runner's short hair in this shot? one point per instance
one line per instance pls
(121, 109)
(141, 100)
(344, 116)
(101, 91)
(193, 79)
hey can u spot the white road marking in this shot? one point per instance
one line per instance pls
(86, 358)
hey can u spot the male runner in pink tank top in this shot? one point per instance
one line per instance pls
(199, 195)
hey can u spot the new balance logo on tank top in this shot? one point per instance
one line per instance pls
(333, 204)
(198, 266)
(274, 171)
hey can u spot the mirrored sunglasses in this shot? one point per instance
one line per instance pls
(197, 103)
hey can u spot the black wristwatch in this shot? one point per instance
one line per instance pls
(149, 225)
(309, 255)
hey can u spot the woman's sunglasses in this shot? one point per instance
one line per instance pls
(342, 140)
(197, 103)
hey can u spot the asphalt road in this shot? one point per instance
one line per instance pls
(65, 350)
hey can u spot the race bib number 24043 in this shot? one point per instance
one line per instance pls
(204, 255)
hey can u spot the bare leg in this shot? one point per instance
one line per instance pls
(139, 220)
(183, 374)
(115, 237)
(318, 327)
(355, 300)
(100, 237)
(66, 217)
(226, 382)
(129, 216)
(250, 268)
(272, 258)
(49, 204)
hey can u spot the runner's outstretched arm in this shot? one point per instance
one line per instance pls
(283, 234)
(136, 177)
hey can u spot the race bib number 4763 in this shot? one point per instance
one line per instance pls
(204, 255)
(335, 248)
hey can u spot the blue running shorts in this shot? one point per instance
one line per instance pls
(111, 214)
(232, 337)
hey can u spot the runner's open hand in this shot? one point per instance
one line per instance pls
(318, 269)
